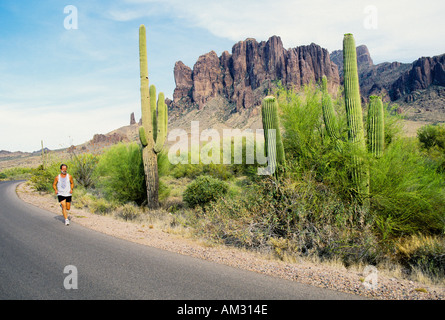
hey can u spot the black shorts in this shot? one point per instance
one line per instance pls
(61, 198)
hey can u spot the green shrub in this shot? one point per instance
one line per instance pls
(101, 206)
(16, 173)
(82, 168)
(120, 174)
(82, 200)
(432, 135)
(192, 171)
(203, 190)
(42, 179)
(432, 141)
(407, 194)
(307, 216)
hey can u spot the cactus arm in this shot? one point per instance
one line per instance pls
(142, 136)
(153, 110)
(161, 121)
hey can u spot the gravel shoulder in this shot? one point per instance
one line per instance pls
(357, 282)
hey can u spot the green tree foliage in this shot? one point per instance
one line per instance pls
(120, 174)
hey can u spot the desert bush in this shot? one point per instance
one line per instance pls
(239, 221)
(101, 206)
(423, 252)
(129, 211)
(310, 209)
(203, 190)
(192, 171)
(42, 179)
(407, 193)
(82, 168)
(120, 174)
(432, 141)
(309, 219)
(82, 198)
(432, 135)
(17, 173)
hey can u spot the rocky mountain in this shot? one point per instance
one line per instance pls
(425, 72)
(373, 79)
(244, 76)
(418, 87)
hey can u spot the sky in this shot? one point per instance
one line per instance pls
(70, 69)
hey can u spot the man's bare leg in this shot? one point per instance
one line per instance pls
(64, 207)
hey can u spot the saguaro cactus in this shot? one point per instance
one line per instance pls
(376, 131)
(153, 131)
(356, 135)
(269, 112)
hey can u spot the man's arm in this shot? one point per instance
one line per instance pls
(55, 183)
(71, 183)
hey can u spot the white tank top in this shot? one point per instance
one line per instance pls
(64, 186)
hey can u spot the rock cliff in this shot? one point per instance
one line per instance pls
(418, 86)
(425, 72)
(247, 74)
(244, 76)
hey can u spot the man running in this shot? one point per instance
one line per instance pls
(63, 186)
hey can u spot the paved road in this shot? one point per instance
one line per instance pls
(36, 247)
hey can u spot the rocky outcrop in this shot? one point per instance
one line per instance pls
(132, 119)
(373, 79)
(109, 138)
(244, 76)
(183, 80)
(364, 60)
(424, 72)
(395, 80)
(207, 79)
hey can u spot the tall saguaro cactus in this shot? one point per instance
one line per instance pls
(376, 131)
(356, 135)
(269, 112)
(153, 131)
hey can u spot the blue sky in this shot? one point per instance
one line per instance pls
(64, 85)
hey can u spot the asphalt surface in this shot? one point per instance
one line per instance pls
(42, 259)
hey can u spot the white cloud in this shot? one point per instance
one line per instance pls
(405, 30)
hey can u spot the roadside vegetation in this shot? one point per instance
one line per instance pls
(308, 211)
